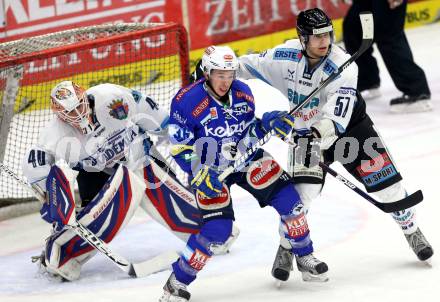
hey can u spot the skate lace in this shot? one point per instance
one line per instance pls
(176, 284)
(284, 258)
(417, 241)
(308, 261)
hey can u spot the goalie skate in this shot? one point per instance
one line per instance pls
(420, 245)
(174, 291)
(43, 270)
(312, 269)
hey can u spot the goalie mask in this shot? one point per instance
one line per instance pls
(69, 102)
(219, 57)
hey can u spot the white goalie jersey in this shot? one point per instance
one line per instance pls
(121, 116)
(285, 68)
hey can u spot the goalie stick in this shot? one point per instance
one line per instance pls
(158, 263)
(367, 39)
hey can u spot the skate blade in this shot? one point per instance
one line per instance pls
(279, 283)
(308, 277)
(416, 107)
(428, 262)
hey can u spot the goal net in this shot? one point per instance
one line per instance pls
(152, 58)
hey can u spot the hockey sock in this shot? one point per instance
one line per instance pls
(197, 251)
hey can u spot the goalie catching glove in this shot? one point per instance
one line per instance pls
(206, 182)
(279, 121)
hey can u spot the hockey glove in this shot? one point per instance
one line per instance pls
(279, 121)
(206, 182)
(308, 152)
(197, 74)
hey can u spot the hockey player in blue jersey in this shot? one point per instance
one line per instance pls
(211, 122)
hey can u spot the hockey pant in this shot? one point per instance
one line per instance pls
(270, 185)
(105, 215)
(372, 165)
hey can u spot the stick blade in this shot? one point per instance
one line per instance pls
(367, 23)
(402, 204)
(154, 265)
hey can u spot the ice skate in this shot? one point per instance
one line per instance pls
(312, 269)
(44, 271)
(174, 291)
(282, 265)
(420, 245)
(411, 104)
(371, 93)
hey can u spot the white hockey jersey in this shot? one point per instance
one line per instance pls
(285, 68)
(121, 116)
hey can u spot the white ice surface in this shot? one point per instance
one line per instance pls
(368, 257)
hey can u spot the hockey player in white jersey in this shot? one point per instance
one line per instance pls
(335, 114)
(97, 133)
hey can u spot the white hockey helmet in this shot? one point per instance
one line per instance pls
(69, 102)
(219, 57)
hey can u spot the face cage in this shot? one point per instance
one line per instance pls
(81, 120)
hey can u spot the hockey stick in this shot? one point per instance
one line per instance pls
(141, 269)
(367, 40)
(399, 205)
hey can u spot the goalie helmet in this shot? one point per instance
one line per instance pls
(69, 102)
(313, 22)
(219, 57)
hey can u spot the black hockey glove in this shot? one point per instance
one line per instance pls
(197, 74)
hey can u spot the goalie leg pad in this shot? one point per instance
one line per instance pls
(105, 216)
(59, 257)
(198, 249)
(60, 205)
(168, 202)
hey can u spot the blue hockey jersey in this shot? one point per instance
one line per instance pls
(203, 131)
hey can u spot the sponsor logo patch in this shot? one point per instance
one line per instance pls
(228, 130)
(287, 54)
(290, 75)
(374, 165)
(221, 201)
(263, 173)
(296, 226)
(179, 118)
(198, 260)
(213, 113)
(242, 95)
(376, 170)
(228, 57)
(118, 109)
(200, 107)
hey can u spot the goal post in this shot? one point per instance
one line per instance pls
(152, 58)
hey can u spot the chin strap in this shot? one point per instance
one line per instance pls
(223, 99)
